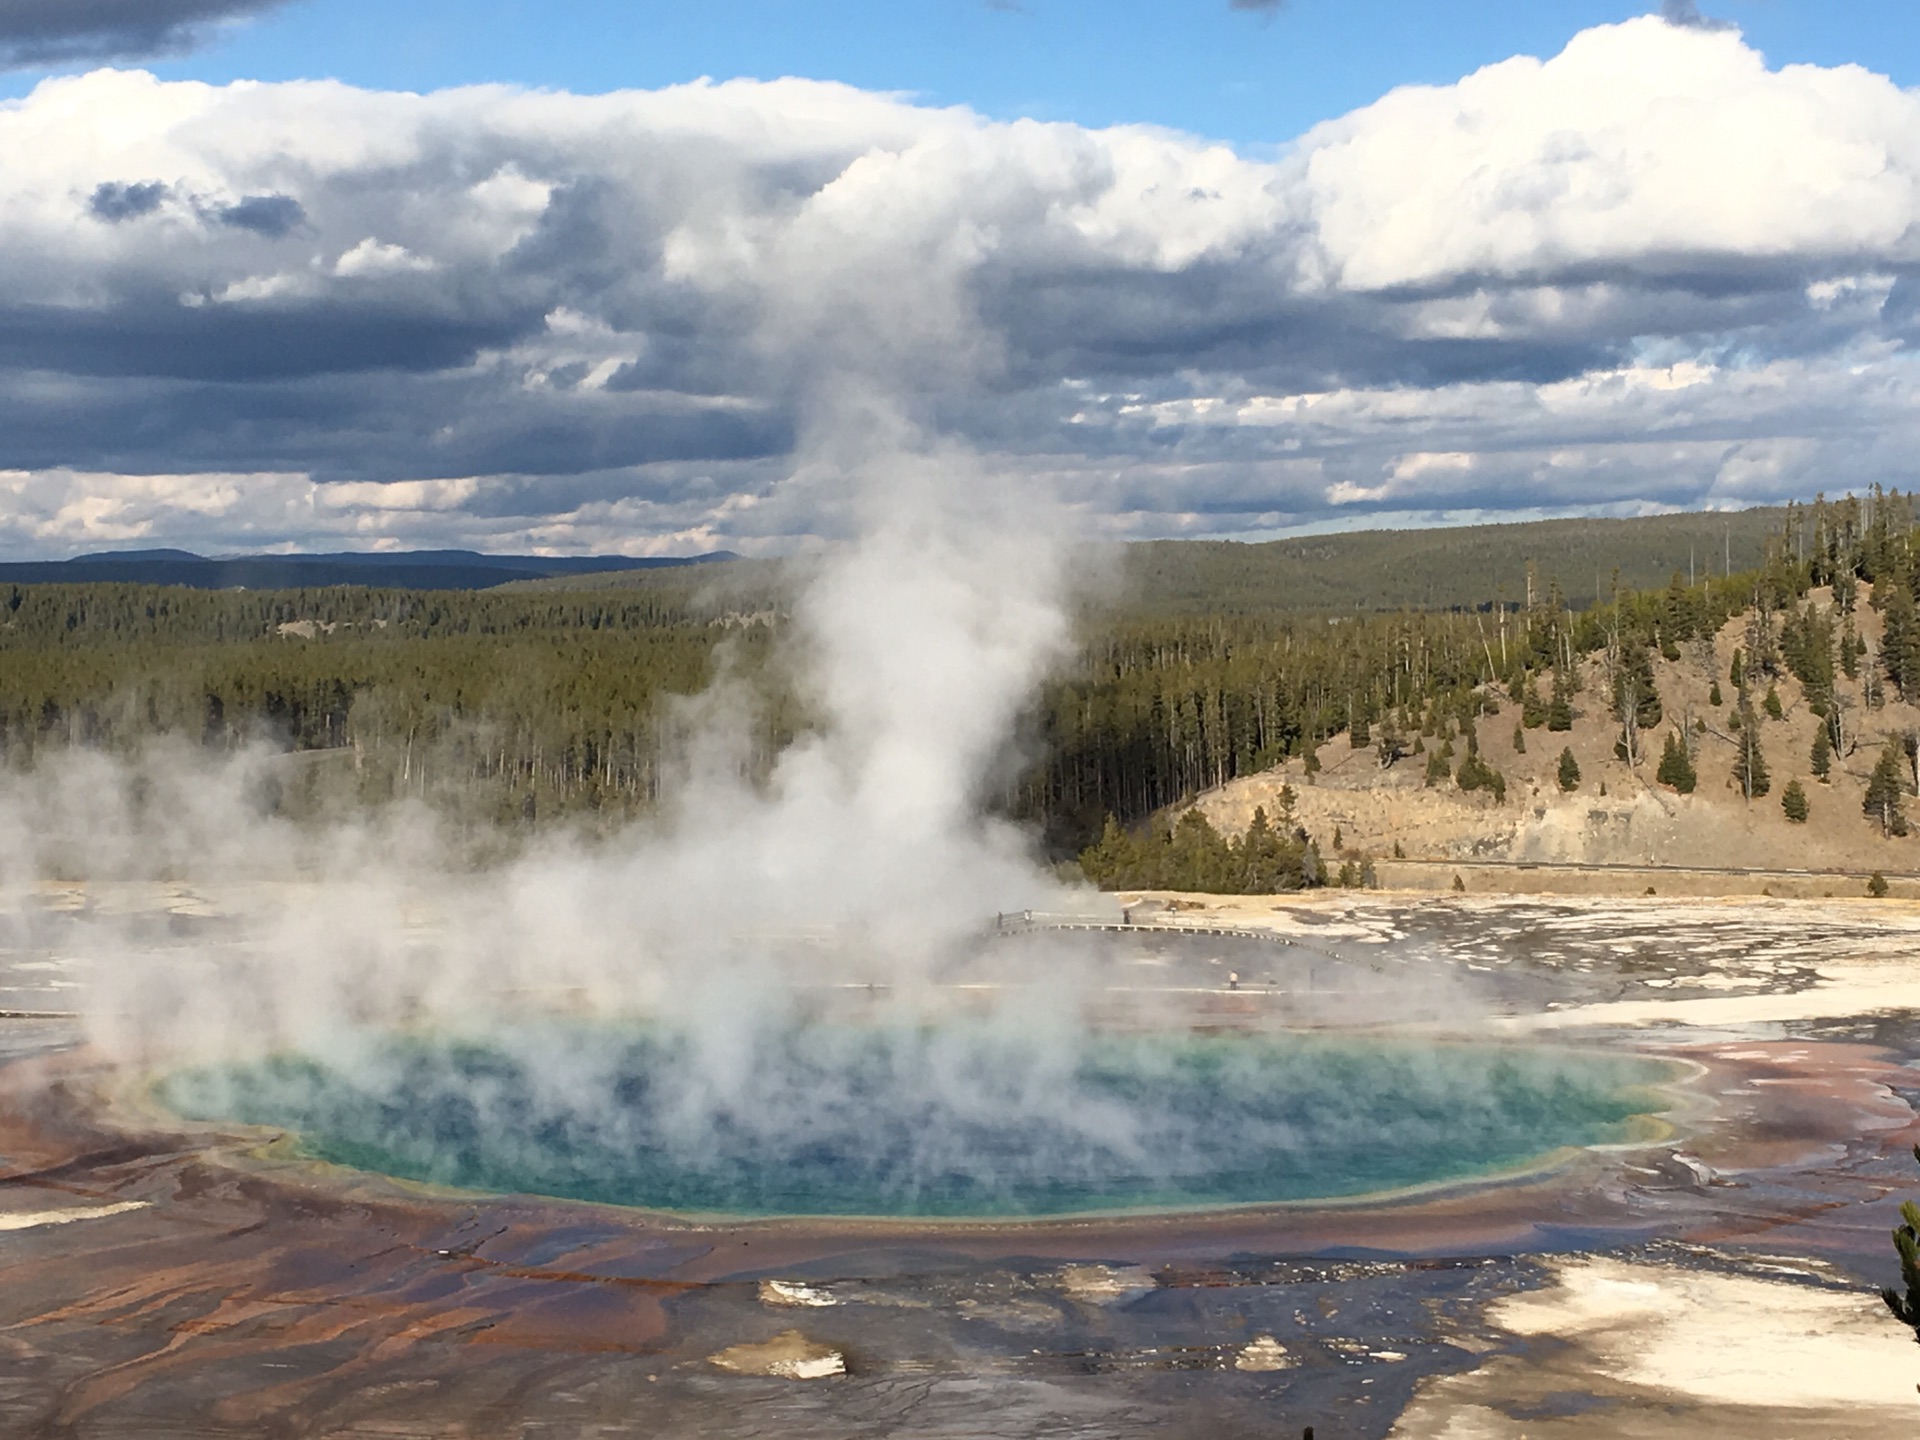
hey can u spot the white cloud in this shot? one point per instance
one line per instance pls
(63, 510)
(264, 287)
(1646, 271)
(1640, 141)
(375, 257)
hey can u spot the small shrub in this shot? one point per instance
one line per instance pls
(1877, 886)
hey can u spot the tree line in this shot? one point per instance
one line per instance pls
(528, 703)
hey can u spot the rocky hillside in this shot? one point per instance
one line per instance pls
(1618, 814)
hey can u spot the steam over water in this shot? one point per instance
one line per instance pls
(957, 1121)
(698, 947)
(917, 645)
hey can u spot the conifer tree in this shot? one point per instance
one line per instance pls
(1793, 800)
(1676, 765)
(1560, 708)
(1900, 646)
(1569, 771)
(1533, 710)
(1749, 765)
(1714, 697)
(1885, 791)
(1264, 858)
(1772, 703)
(1846, 591)
(1634, 695)
(1199, 857)
(1286, 802)
(1822, 755)
(1476, 774)
(1114, 861)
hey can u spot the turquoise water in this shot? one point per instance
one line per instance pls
(949, 1121)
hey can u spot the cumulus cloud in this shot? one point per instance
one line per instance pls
(62, 512)
(1647, 271)
(1641, 150)
(36, 32)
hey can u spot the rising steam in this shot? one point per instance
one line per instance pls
(916, 644)
(778, 992)
(865, 864)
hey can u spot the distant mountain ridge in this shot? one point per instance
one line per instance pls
(1436, 568)
(392, 569)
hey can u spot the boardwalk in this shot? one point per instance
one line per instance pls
(1032, 922)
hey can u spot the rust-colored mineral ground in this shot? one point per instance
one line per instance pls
(165, 1280)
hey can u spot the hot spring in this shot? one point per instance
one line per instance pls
(948, 1121)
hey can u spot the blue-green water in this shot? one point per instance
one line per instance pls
(952, 1121)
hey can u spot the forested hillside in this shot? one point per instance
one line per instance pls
(1457, 567)
(1464, 567)
(531, 703)
(501, 704)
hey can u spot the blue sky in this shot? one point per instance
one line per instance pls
(1249, 76)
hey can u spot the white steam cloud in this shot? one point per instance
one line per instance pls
(917, 645)
(865, 864)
